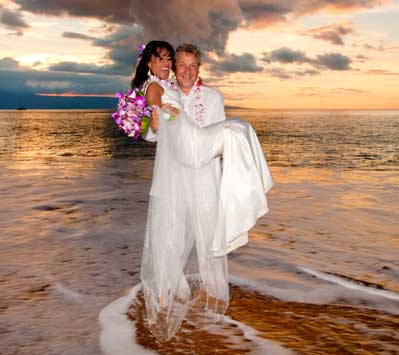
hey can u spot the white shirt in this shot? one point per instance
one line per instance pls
(212, 101)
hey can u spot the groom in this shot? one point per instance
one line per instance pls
(204, 106)
(202, 103)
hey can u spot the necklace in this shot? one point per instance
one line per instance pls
(199, 109)
(169, 83)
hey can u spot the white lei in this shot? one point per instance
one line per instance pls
(169, 83)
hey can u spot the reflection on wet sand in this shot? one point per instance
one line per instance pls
(339, 329)
(73, 208)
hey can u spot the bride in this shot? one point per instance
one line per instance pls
(194, 220)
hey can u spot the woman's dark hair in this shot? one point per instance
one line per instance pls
(151, 48)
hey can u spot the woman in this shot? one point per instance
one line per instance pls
(183, 201)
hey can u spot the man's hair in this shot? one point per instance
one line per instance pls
(190, 48)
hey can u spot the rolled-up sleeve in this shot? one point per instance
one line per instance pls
(150, 136)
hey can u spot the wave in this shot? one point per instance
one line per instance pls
(354, 284)
(118, 335)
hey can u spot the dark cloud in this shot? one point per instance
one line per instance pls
(332, 33)
(8, 63)
(264, 13)
(361, 58)
(116, 11)
(233, 63)
(284, 55)
(333, 61)
(16, 78)
(12, 20)
(85, 68)
(121, 51)
(279, 73)
(207, 23)
(75, 35)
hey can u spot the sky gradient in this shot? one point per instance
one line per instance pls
(305, 54)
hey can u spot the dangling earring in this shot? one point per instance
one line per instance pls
(149, 72)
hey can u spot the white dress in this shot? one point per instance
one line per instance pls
(188, 208)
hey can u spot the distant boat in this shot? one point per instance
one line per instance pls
(21, 108)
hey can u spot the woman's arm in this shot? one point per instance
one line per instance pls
(153, 96)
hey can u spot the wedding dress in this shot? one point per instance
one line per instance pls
(188, 208)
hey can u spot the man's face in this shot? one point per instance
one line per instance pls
(187, 70)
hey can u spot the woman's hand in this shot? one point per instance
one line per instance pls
(170, 108)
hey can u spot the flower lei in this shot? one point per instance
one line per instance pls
(169, 83)
(199, 110)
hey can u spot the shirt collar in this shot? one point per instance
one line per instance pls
(191, 90)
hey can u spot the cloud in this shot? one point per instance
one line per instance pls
(233, 63)
(285, 74)
(382, 72)
(203, 22)
(16, 78)
(75, 35)
(115, 11)
(309, 91)
(121, 52)
(332, 33)
(308, 7)
(285, 55)
(361, 58)
(74, 67)
(207, 23)
(12, 20)
(8, 63)
(381, 47)
(333, 61)
(264, 13)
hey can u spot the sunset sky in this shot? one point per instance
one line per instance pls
(264, 54)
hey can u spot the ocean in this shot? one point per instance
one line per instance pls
(320, 274)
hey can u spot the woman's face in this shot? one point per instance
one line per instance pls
(161, 66)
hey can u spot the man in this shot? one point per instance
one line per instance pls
(192, 92)
(204, 106)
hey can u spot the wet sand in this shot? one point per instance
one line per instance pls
(330, 329)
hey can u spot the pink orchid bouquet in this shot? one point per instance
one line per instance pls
(133, 113)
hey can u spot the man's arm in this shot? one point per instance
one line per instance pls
(150, 135)
(214, 107)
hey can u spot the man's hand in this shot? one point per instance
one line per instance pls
(170, 108)
(154, 120)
